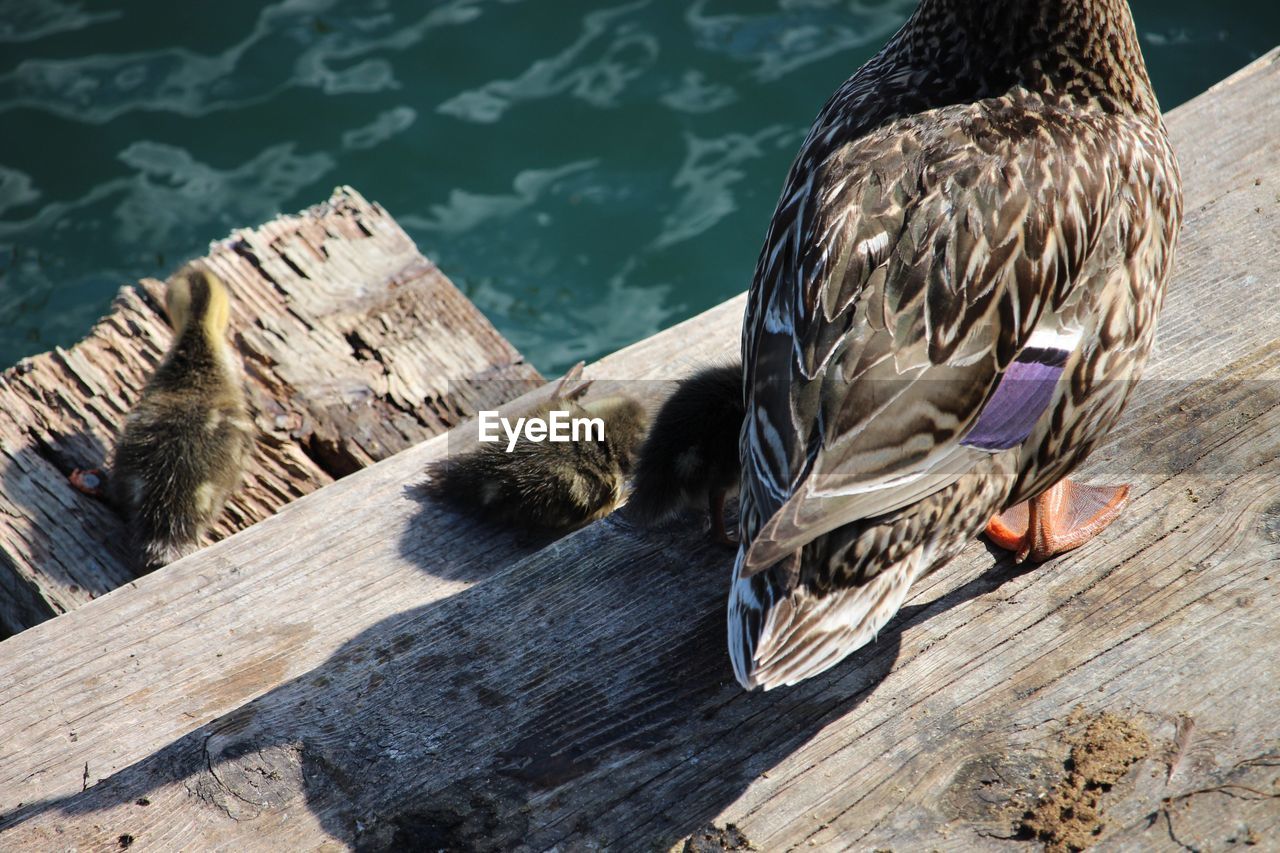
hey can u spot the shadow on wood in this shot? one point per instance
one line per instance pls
(444, 535)
(498, 717)
(72, 530)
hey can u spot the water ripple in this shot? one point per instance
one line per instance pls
(382, 128)
(31, 20)
(567, 331)
(101, 87)
(174, 192)
(705, 180)
(626, 53)
(465, 210)
(97, 89)
(694, 94)
(798, 33)
(16, 188)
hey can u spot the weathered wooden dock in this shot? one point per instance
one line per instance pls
(355, 347)
(367, 669)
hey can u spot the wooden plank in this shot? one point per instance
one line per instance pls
(319, 555)
(355, 347)
(366, 670)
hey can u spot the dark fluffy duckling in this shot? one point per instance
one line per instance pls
(186, 442)
(545, 484)
(690, 458)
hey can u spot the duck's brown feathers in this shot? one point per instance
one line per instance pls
(999, 171)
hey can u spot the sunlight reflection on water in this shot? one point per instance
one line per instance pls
(587, 177)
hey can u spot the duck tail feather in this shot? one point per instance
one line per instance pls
(779, 637)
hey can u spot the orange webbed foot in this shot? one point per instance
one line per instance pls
(1063, 517)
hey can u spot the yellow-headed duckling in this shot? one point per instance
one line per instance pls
(186, 442)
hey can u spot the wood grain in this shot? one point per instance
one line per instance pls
(367, 670)
(354, 345)
(320, 565)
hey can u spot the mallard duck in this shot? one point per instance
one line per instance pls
(185, 444)
(549, 484)
(957, 292)
(690, 458)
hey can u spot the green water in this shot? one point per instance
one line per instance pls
(588, 173)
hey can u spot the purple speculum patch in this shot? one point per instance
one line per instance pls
(1024, 392)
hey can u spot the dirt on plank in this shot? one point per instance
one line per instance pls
(1070, 817)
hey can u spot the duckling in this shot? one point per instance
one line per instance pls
(690, 458)
(185, 444)
(550, 484)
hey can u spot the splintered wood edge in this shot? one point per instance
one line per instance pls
(322, 407)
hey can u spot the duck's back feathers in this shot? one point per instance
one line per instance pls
(779, 639)
(913, 338)
(908, 267)
(834, 595)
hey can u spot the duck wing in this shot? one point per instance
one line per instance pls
(913, 281)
